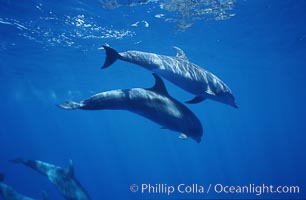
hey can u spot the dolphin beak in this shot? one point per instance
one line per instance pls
(235, 105)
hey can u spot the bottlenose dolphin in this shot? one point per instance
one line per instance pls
(154, 103)
(179, 71)
(8, 193)
(63, 179)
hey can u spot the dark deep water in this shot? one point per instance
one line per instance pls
(49, 53)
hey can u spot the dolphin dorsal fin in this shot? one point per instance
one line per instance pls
(159, 85)
(70, 171)
(180, 53)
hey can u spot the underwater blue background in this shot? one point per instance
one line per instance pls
(49, 53)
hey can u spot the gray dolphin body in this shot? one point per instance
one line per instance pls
(154, 103)
(179, 71)
(8, 193)
(63, 179)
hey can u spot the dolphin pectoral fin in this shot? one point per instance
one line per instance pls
(111, 56)
(196, 99)
(183, 136)
(180, 53)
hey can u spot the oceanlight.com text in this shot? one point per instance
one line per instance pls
(251, 189)
(256, 189)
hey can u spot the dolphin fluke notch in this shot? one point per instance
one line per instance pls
(70, 105)
(159, 85)
(111, 56)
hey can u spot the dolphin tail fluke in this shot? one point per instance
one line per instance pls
(70, 105)
(111, 56)
(1, 177)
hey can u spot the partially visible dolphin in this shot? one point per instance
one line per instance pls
(8, 193)
(63, 179)
(179, 71)
(154, 103)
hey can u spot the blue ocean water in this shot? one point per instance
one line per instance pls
(49, 53)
